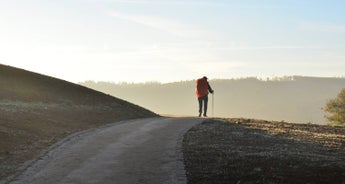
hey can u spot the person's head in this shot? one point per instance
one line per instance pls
(205, 77)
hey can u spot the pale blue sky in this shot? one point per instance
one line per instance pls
(165, 40)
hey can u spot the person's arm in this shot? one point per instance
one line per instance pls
(209, 88)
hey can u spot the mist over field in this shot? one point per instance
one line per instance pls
(294, 99)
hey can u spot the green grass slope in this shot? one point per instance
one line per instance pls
(37, 111)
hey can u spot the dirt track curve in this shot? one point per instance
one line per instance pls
(135, 151)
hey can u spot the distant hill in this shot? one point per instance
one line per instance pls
(295, 99)
(37, 110)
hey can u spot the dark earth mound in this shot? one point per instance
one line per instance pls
(37, 111)
(255, 151)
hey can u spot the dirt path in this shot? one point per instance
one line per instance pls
(137, 151)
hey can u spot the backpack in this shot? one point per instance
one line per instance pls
(201, 87)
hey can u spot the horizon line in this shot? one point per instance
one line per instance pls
(271, 78)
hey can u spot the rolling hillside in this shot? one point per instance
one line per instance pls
(295, 99)
(37, 111)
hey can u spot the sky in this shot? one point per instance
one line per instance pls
(173, 40)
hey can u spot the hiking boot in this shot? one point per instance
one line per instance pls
(205, 115)
(200, 114)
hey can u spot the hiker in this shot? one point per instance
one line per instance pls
(202, 89)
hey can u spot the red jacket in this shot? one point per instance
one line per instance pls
(201, 87)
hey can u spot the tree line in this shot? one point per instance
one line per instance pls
(296, 99)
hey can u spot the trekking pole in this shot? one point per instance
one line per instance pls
(213, 104)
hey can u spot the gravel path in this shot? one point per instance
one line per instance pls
(136, 151)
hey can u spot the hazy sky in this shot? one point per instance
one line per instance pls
(172, 40)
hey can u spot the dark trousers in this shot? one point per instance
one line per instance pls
(203, 100)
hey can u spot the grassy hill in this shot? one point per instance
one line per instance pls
(37, 111)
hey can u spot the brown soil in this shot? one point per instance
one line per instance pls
(255, 151)
(36, 111)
